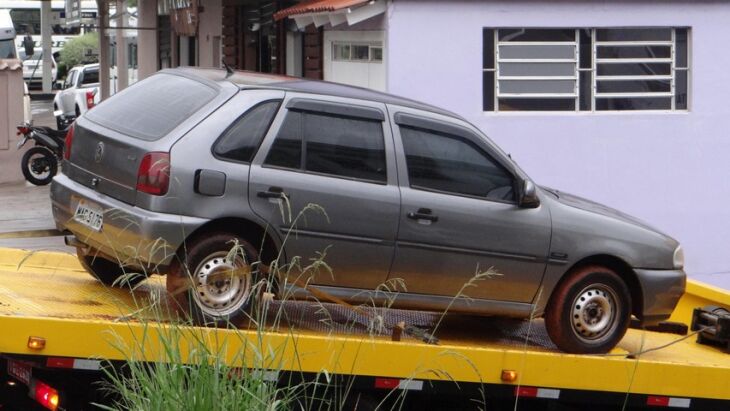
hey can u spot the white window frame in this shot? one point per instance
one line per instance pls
(351, 44)
(575, 60)
(592, 71)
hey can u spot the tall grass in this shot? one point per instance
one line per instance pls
(190, 371)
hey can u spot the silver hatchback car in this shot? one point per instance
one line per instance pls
(167, 175)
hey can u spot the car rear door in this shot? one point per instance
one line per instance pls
(68, 92)
(460, 217)
(325, 179)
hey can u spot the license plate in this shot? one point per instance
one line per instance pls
(20, 371)
(89, 215)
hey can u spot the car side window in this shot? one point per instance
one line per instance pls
(90, 77)
(286, 151)
(243, 137)
(330, 144)
(453, 164)
(71, 78)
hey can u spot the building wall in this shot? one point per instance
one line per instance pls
(669, 169)
(11, 115)
(357, 73)
(363, 74)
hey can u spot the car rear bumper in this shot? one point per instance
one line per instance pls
(662, 290)
(135, 236)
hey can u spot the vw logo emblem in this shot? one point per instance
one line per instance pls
(99, 153)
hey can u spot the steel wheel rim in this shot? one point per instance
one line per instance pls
(594, 312)
(218, 290)
(36, 157)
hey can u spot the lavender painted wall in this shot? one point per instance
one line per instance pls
(669, 169)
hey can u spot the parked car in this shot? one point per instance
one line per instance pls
(80, 91)
(33, 67)
(198, 160)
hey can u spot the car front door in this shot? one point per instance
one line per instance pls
(325, 179)
(460, 216)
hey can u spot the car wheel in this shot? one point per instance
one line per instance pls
(107, 271)
(213, 282)
(77, 110)
(589, 311)
(39, 165)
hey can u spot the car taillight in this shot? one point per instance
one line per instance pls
(90, 99)
(67, 143)
(46, 395)
(154, 173)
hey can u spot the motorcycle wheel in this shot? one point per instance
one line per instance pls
(39, 165)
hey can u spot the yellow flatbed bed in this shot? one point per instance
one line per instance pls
(48, 295)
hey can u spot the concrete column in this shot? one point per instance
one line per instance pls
(103, 17)
(146, 38)
(122, 71)
(46, 45)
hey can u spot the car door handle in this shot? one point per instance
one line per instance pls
(423, 214)
(272, 192)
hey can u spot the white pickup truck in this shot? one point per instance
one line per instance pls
(80, 92)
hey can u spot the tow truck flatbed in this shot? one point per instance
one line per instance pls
(48, 295)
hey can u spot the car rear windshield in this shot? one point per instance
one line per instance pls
(153, 107)
(90, 76)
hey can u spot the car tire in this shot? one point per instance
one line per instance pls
(225, 301)
(108, 272)
(77, 110)
(589, 311)
(30, 165)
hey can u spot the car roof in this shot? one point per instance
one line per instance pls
(249, 79)
(87, 66)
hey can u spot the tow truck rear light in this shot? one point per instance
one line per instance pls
(153, 176)
(67, 144)
(36, 343)
(90, 99)
(45, 395)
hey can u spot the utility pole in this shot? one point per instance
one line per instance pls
(46, 40)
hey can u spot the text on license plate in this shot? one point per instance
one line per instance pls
(20, 370)
(89, 215)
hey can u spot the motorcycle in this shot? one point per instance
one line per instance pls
(40, 163)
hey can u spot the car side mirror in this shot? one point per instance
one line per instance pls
(58, 86)
(528, 195)
(28, 45)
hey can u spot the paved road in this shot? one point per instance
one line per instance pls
(27, 207)
(42, 111)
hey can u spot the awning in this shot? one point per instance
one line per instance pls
(334, 12)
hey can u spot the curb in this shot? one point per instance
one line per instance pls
(42, 96)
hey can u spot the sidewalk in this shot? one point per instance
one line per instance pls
(27, 207)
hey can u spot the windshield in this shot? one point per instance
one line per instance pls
(7, 49)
